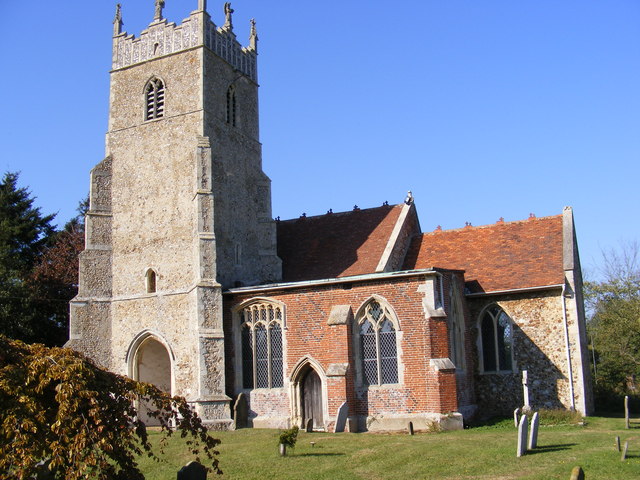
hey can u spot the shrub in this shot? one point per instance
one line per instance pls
(58, 407)
(289, 437)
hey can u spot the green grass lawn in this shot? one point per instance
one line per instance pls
(482, 452)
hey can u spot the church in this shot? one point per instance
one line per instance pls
(189, 283)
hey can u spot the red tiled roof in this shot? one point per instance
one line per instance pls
(335, 244)
(503, 256)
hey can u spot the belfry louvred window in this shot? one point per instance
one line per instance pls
(378, 345)
(154, 98)
(261, 326)
(231, 106)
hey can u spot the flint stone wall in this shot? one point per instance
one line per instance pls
(539, 348)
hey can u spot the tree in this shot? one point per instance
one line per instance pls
(53, 281)
(614, 326)
(24, 232)
(60, 410)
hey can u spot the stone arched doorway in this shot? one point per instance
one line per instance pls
(311, 399)
(151, 364)
(309, 394)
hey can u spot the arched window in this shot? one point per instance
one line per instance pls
(377, 344)
(496, 334)
(231, 106)
(456, 328)
(261, 338)
(154, 99)
(150, 280)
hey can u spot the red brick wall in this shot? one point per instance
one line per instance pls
(307, 333)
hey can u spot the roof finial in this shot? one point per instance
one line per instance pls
(117, 21)
(253, 37)
(228, 11)
(202, 5)
(157, 16)
(409, 199)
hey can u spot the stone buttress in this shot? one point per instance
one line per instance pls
(179, 209)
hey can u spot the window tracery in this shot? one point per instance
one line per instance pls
(378, 345)
(154, 99)
(261, 338)
(496, 334)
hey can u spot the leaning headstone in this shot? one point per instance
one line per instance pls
(522, 436)
(618, 443)
(626, 411)
(577, 474)
(241, 412)
(533, 435)
(309, 426)
(43, 472)
(192, 471)
(410, 428)
(624, 451)
(516, 416)
(341, 420)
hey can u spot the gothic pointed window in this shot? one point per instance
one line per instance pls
(496, 335)
(261, 343)
(150, 280)
(377, 344)
(231, 106)
(154, 99)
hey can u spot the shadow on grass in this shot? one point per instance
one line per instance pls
(551, 448)
(319, 454)
(493, 422)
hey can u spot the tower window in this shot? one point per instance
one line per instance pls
(231, 106)
(154, 99)
(151, 281)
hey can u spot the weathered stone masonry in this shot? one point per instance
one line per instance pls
(358, 307)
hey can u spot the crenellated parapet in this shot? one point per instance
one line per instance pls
(165, 38)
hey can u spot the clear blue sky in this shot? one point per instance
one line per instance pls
(483, 108)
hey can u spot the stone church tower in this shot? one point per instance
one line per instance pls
(179, 209)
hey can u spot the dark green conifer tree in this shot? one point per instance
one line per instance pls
(24, 234)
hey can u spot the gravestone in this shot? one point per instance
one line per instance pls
(309, 426)
(43, 472)
(192, 471)
(516, 416)
(533, 435)
(618, 443)
(241, 412)
(624, 451)
(626, 411)
(522, 436)
(577, 473)
(341, 420)
(525, 390)
(410, 428)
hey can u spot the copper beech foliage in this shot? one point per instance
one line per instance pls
(59, 409)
